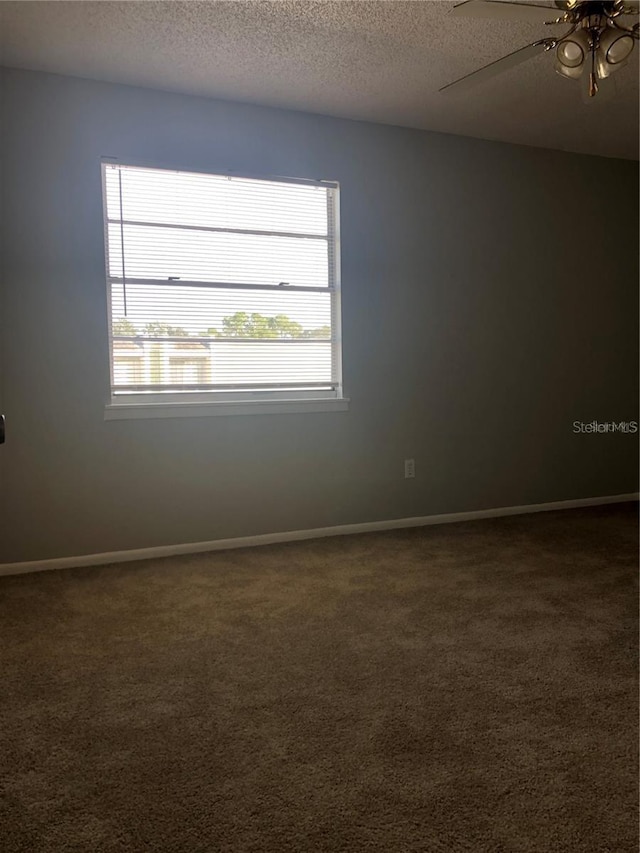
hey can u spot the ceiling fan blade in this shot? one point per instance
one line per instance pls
(506, 11)
(497, 67)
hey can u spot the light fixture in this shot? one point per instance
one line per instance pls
(614, 49)
(572, 53)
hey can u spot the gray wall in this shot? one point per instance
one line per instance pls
(481, 318)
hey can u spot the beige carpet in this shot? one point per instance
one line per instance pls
(468, 687)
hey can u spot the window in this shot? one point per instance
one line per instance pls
(223, 293)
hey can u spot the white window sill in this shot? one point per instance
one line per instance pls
(134, 411)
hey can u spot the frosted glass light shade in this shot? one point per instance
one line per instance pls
(572, 53)
(614, 51)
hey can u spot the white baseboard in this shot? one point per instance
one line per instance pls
(297, 535)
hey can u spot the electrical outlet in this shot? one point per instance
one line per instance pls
(409, 469)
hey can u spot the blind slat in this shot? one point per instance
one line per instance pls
(218, 229)
(247, 386)
(179, 282)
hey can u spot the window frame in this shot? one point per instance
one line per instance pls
(284, 400)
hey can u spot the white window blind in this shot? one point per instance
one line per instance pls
(221, 287)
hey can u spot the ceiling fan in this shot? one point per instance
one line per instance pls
(598, 42)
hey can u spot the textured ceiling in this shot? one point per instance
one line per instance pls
(379, 61)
